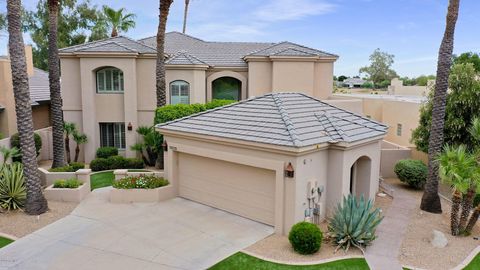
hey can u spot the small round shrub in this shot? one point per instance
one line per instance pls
(15, 142)
(305, 238)
(117, 162)
(106, 152)
(412, 172)
(100, 164)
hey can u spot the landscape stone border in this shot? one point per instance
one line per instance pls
(71, 194)
(333, 259)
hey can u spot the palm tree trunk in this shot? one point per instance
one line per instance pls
(473, 220)
(54, 79)
(430, 199)
(35, 203)
(467, 203)
(160, 71)
(456, 201)
(114, 32)
(77, 152)
(185, 14)
(67, 148)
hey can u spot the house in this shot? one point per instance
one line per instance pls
(264, 157)
(39, 95)
(108, 86)
(353, 83)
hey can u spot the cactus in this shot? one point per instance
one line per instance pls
(354, 223)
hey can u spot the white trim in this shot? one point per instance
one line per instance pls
(313, 262)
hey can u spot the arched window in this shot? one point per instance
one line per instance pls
(109, 80)
(179, 92)
(226, 88)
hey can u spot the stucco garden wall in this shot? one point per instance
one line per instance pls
(391, 154)
(69, 194)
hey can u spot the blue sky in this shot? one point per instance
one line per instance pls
(409, 29)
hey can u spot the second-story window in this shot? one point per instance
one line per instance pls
(110, 80)
(179, 92)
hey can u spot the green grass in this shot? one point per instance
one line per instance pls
(474, 264)
(4, 241)
(105, 179)
(240, 261)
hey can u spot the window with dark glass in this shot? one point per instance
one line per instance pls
(112, 134)
(110, 80)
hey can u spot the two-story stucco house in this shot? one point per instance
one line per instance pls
(108, 86)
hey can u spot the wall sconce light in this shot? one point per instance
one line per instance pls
(130, 127)
(289, 172)
(165, 146)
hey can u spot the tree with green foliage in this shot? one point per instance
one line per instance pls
(76, 25)
(422, 80)
(342, 78)
(468, 57)
(114, 21)
(380, 68)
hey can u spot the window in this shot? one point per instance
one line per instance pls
(112, 134)
(109, 80)
(399, 129)
(226, 88)
(179, 92)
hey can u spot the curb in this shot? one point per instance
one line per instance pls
(9, 236)
(302, 263)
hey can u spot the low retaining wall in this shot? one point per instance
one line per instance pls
(390, 154)
(142, 195)
(122, 173)
(69, 194)
(48, 178)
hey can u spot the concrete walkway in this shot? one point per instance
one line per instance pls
(175, 234)
(384, 252)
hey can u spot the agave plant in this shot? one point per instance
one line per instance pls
(12, 187)
(354, 223)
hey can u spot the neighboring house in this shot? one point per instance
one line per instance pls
(353, 83)
(261, 158)
(108, 86)
(39, 94)
(397, 88)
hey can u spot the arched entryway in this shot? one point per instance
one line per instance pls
(360, 174)
(227, 88)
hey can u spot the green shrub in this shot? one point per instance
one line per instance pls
(100, 164)
(117, 162)
(173, 112)
(12, 187)
(106, 152)
(134, 163)
(412, 172)
(142, 182)
(15, 142)
(354, 223)
(67, 183)
(72, 167)
(305, 238)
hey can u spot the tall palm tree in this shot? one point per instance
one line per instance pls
(54, 80)
(35, 203)
(79, 139)
(160, 69)
(185, 13)
(68, 129)
(430, 199)
(118, 20)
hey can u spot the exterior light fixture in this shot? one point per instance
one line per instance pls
(165, 146)
(130, 127)
(289, 172)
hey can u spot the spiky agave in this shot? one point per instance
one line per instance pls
(354, 223)
(12, 187)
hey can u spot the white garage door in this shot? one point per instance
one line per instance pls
(243, 190)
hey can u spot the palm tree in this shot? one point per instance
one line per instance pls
(117, 20)
(79, 139)
(54, 79)
(9, 153)
(430, 199)
(35, 203)
(69, 129)
(459, 169)
(475, 132)
(160, 70)
(185, 13)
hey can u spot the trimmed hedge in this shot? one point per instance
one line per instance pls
(305, 238)
(412, 172)
(15, 142)
(67, 183)
(116, 162)
(106, 152)
(173, 112)
(72, 167)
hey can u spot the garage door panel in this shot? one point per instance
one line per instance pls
(243, 190)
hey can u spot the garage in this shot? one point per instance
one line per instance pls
(243, 190)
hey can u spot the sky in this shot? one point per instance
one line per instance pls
(409, 29)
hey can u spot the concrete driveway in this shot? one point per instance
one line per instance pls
(175, 234)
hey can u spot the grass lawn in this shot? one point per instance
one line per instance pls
(105, 179)
(474, 264)
(4, 241)
(240, 261)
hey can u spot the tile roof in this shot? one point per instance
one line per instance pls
(183, 58)
(114, 44)
(229, 54)
(285, 119)
(39, 86)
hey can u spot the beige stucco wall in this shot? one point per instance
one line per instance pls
(401, 112)
(293, 77)
(397, 88)
(259, 78)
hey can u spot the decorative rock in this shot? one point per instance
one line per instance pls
(438, 239)
(381, 194)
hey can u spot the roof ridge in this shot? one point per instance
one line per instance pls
(138, 42)
(291, 48)
(187, 55)
(89, 42)
(106, 43)
(310, 48)
(286, 119)
(339, 131)
(266, 48)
